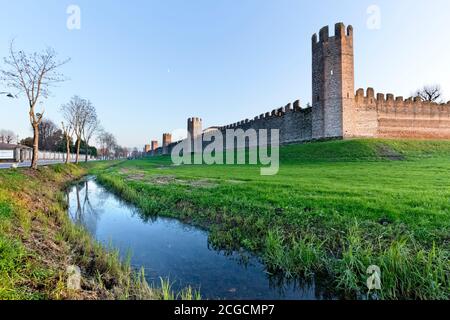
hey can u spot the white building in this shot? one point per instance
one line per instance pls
(14, 152)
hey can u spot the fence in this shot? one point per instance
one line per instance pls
(27, 154)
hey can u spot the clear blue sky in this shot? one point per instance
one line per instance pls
(149, 65)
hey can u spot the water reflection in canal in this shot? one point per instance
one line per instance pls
(171, 249)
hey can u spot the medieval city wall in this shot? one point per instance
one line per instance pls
(386, 116)
(294, 123)
(336, 112)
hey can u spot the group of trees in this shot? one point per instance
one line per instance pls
(108, 147)
(7, 136)
(32, 76)
(81, 121)
(77, 129)
(52, 138)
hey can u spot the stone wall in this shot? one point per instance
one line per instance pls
(294, 123)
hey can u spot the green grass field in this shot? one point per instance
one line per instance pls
(334, 209)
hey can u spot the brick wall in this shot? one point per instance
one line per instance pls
(385, 116)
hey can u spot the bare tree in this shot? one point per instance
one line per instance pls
(108, 145)
(81, 106)
(126, 152)
(78, 113)
(69, 112)
(431, 93)
(7, 136)
(47, 129)
(135, 153)
(32, 75)
(120, 152)
(101, 143)
(68, 132)
(91, 126)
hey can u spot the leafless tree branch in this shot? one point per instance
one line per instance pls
(431, 93)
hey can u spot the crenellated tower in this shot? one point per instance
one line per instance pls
(194, 127)
(167, 140)
(154, 145)
(333, 83)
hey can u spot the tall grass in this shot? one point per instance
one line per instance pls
(186, 294)
(293, 256)
(406, 271)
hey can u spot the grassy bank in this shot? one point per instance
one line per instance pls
(334, 209)
(38, 242)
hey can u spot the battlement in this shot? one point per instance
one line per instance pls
(195, 119)
(367, 98)
(340, 32)
(275, 113)
(154, 145)
(194, 126)
(167, 139)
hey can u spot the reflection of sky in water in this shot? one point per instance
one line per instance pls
(169, 248)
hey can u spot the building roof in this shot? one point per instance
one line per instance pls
(8, 146)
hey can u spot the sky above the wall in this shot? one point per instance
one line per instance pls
(148, 65)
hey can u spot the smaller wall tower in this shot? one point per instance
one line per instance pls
(195, 127)
(195, 132)
(167, 140)
(154, 146)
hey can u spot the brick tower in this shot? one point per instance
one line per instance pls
(154, 146)
(333, 83)
(195, 134)
(195, 127)
(167, 140)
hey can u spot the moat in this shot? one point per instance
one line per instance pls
(169, 249)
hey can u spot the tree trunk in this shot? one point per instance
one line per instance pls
(78, 151)
(87, 153)
(68, 150)
(35, 158)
